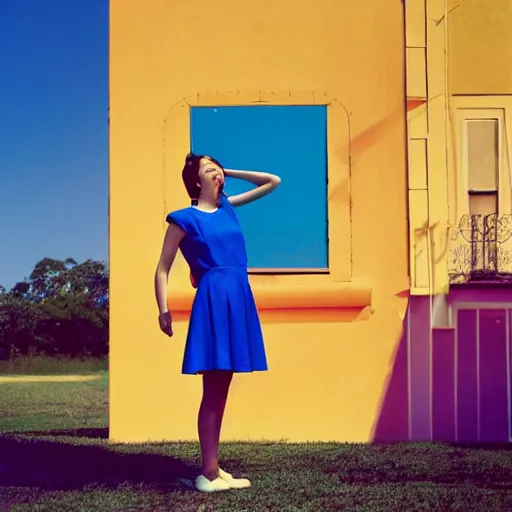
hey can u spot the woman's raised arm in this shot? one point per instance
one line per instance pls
(264, 181)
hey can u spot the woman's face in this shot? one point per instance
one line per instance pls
(211, 176)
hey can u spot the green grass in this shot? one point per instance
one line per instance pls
(40, 365)
(54, 456)
(26, 406)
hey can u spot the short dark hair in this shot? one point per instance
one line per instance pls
(191, 171)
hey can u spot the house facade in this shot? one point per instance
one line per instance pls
(370, 117)
(459, 146)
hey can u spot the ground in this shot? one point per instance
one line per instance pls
(54, 456)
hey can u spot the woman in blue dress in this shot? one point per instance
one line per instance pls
(224, 335)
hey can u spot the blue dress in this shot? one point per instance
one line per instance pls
(224, 331)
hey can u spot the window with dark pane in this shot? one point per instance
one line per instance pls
(482, 164)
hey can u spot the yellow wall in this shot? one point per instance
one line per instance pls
(480, 47)
(427, 143)
(479, 71)
(328, 367)
(454, 48)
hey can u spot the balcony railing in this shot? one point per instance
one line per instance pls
(480, 249)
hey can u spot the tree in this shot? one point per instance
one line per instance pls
(61, 309)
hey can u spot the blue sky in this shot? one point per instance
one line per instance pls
(53, 133)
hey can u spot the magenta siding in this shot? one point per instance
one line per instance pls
(509, 341)
(493, 375)
(420, 371)
(467, 412)
(443, 385)
(452, 384)
(481, 295)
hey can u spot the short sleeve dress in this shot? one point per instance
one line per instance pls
(224, 331)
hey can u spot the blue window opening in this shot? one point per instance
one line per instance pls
(288, 229)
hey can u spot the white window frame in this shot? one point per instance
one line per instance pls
(465, 108)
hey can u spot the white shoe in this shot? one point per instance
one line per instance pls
(234, 483)
(205, 485)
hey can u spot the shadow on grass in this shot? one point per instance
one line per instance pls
(52, 465)
(90, 433)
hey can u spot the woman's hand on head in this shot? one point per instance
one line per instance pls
(165, 322)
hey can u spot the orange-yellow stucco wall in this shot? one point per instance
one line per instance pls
(479, 47)
(329, 369)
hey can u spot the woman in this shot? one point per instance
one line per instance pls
(224, 335)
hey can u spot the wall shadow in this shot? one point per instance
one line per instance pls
(53, 465)
(392, 423)
(90, 433)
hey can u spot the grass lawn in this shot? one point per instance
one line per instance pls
(54, 456)
(40, 365)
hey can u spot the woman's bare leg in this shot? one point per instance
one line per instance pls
(215, 394)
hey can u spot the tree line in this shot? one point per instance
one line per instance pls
(61, 309)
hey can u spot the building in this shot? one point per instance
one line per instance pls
(460, 143)
(359, 109)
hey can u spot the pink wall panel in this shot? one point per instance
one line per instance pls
(419, 357)
(467, 416)
(443, 385)
(493, 376)
(477, 294)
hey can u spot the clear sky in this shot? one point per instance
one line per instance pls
(53, 133)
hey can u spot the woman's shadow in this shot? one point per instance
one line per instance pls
(29, 461)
